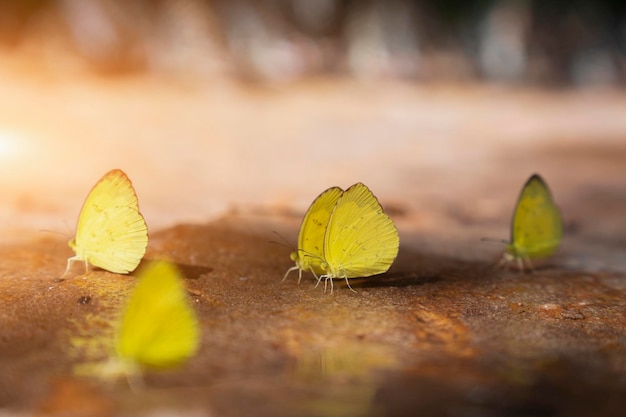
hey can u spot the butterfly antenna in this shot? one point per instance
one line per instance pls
(284, 242)
(493, 240)
(312, 255)
(56, 232)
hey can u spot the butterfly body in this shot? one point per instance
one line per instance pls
(111, 232)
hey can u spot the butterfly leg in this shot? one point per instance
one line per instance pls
(326, 278)
(315, 275)
(116, 368)
(348, 284)
(70, 262)
(505, 260)
(332, 286)
(135, 381)
(288, 271)
(530, 264)
(319, 280)
(502, 263)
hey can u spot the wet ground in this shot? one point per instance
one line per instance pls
(219, 170)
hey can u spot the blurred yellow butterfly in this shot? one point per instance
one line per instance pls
(111, 232)
(159, 328)
(537, 227)
(345, 234)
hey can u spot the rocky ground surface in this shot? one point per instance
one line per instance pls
(220, 168)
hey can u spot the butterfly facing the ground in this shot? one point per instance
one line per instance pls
(537, 228)
(158, 328)
(346, 234)
(111, 232)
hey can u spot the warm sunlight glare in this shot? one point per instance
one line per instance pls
(9, 144)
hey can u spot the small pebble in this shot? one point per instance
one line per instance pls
(85, 299)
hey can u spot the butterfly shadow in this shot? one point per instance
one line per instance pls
(415, 268)
(396, 279)
(188, 271)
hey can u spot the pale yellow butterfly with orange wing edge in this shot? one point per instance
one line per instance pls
(356, 239)
(111, 233)
(537, 227)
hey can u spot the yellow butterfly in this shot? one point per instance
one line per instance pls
(346, 235)
(111, 232)
(537, 227)
(310, 253)
(159, 328)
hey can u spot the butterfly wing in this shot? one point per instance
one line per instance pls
(537, 227)
(111, 232)
(159, 327)
(360, 239)
(311, 238)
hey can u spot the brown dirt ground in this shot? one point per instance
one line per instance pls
(218, 169)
